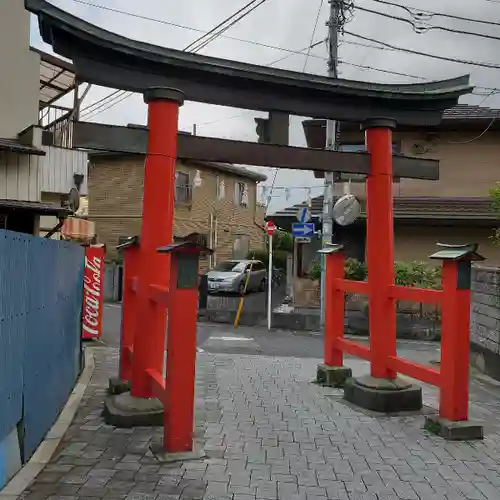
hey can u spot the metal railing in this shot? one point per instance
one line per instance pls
(58, 121)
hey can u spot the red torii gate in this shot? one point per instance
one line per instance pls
(155, 283)
(383, 391)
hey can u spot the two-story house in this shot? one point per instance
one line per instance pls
(454, 209)
(216, 201)
(38, 168)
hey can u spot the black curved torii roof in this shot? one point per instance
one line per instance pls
(105, 58)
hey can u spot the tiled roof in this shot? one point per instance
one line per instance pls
(417, 207)
(231, 169)
(15, 146)
(469, 112)
(34, 206)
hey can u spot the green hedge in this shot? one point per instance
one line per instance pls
(418, 274)
(279, 257)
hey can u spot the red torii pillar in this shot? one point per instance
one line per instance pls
(156, 232)
(382, 390)
(382, 384)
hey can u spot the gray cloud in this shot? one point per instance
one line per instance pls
(289, 23)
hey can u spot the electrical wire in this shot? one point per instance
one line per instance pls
(424, 28)
(301, 52)
(204, 43)
(313, 35)
(428, 14)
(114, 103)
(424, 54)
(199, 39)
(119, 93)
(227, 37)
(104, 100)
(489, 90)
(493, 120)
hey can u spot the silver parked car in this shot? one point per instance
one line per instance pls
(230, 276)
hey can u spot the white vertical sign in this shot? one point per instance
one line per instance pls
(270, 228)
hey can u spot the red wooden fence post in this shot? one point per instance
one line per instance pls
(181, 346)
(380, 246)
(332, 373)
(156, 231)
(455, 344)
(129, 313)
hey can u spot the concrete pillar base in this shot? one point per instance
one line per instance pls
(332, 376)
(166, 457)
(383, 395)
(125, 411)
(118, 386)
(466, 430)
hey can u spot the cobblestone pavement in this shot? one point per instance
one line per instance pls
(270, 434)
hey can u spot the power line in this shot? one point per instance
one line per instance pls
(424, 27)
(301, 52)
(118, 94)
(199, 39)
(313, 34)
(181, 26)
(204, 43)
(424, 54)
(428, 14)
(489, 90)
(104, 100)
(114, 103)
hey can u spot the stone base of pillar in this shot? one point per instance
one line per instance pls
(466, 430)
(166, 457)
(383, 395)
(332, 376)
(125, 411)
(118, 386)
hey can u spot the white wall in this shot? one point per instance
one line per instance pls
(19, 69)
(57, 168)
(19, 178)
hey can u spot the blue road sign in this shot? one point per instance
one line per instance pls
(303, 214)
(302, 229)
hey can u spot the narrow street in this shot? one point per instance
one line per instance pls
(269, 433)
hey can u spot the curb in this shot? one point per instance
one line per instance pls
(28, 473)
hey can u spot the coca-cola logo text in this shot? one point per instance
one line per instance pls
(92, 295)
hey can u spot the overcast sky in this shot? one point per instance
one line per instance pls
(290, 23)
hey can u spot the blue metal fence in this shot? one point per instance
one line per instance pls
(40, 309)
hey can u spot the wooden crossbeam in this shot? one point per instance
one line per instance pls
(133, 140)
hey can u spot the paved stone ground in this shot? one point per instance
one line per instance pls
(269, 434)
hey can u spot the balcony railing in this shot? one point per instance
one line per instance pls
(57, 120)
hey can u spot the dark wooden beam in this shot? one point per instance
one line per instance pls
(133, 140)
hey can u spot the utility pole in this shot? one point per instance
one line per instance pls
(334, 24)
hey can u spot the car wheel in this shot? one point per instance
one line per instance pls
(263, 284)
(241, 288)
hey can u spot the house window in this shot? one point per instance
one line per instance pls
(241, 247)
(182, 188)
(221, 188)
(241, 194)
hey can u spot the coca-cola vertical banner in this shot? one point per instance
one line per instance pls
(93, 292)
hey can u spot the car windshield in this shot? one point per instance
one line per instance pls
(230, 267)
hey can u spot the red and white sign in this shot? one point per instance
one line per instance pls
(78, 229)
(93, 292)
(270, 228)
